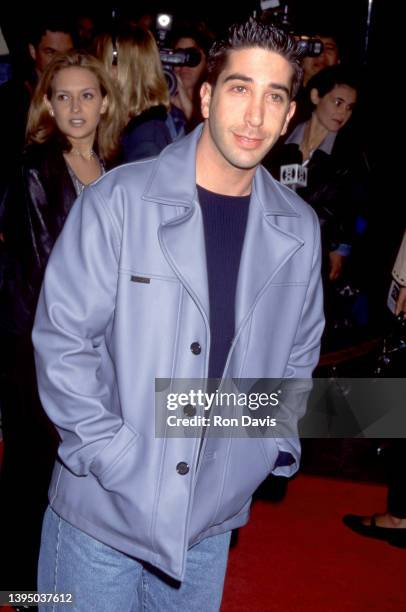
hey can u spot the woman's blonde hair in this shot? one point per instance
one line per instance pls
(138, 72)
(41, 127)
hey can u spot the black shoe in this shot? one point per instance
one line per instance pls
(393, 535)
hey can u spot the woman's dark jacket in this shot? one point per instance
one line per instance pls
(36, 206)
(337, 185)
(146, 135)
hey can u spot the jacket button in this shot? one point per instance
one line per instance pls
(189, 410)
(195, 348)
(182, 468)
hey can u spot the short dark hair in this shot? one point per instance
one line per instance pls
(325, 80)
(253, 33)
(51, 23)
(202, 36)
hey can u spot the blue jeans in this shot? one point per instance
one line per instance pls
(103, 579)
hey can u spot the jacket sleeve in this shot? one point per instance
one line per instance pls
(25, 226)
(75, 307)
(23, 276)
(305, 352)
(303, 359)
(33, 216)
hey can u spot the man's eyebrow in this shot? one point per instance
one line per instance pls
(238, 77)
(281, 87)
(242, 77)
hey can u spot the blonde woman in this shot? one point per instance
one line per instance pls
(73, 132)
(132, 57)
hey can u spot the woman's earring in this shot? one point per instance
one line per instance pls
(51, 112)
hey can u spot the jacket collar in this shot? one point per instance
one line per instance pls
(297, 136)
(173, 180)
(267, 247)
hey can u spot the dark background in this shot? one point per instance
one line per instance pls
(347, 17)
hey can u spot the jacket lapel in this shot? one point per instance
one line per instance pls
(182, 237)
(182, 241)
(267, 247)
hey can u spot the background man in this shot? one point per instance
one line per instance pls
(175, 267)
(329, 56)
(46, 37)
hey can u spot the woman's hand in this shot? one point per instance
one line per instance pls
(336, 265)
(401, 302)
(182, 100)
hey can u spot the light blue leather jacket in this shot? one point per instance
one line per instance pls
(102, 335)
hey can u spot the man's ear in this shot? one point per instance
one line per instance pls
(205, 95)
(314, 96)
(32, 51)
(289, 115)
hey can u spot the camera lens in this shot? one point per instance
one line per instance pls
(171, 80)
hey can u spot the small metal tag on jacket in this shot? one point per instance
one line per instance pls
(140, 279)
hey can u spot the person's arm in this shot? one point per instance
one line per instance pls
(27, 228)
(303, 359)
(25, 241)
(336, 261)
(401, 302)
(399, 273)
(306, 349)
(182, 100)
(75, 307)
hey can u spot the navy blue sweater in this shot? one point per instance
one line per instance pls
(225, 221)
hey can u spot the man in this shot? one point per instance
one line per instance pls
(175, 267)
(329, 56)
(51, 35)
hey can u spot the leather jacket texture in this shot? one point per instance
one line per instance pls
(36, 205)
(337, 185)
(125, 300)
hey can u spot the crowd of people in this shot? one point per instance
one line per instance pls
(90, 104)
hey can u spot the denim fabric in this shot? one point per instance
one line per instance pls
(104, 579)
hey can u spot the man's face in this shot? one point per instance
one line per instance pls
(190, 75)
(248, 108)
(328, 57)
(50, 43)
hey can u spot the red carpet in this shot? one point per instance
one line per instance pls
(296, 556)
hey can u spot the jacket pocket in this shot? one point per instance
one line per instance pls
(107, 459)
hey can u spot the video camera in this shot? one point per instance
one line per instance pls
(172, 57)
(278, 13)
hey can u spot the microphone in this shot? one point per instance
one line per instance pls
(294, 176)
